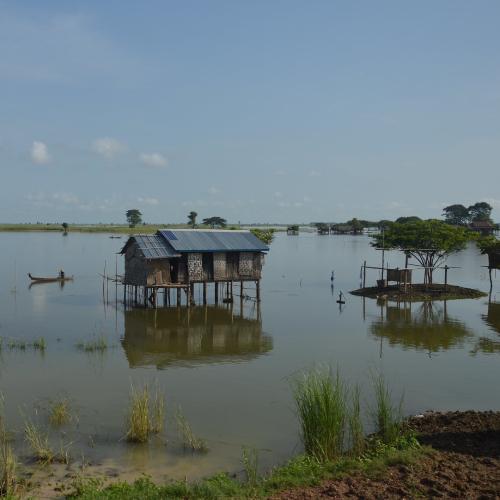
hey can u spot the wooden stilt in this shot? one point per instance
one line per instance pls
(178, 297)
(257, 290)
(216, 292)
(204, 293)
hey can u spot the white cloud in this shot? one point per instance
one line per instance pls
(314, 173)
(40, 153)
(278, 194)
(214, 190)
(280, 171)
(153, 160)
(55, 199)
(107, 147)
(148, 201)
(66, 198)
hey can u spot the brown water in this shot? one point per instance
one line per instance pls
(229, 368)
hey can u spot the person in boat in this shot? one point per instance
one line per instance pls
(61, 274)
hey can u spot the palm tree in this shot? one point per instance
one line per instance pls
(192, 219)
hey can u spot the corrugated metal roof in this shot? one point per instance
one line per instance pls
(195, 240)
(153, 246)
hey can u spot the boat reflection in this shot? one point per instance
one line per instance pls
(191, 336)
(423, 327)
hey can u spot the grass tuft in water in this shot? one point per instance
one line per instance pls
(8, 461)
(60, 412)
(387, 417)
(99, 344)
(321, 401)
(146, 414)
(39, 443)
(39, 344)
(189, 439)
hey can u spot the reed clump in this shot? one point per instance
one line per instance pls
(357, 443)
(39, 344)
(39, 443)
(98, 344)
(8, 461)
(321, 401)
(387, 417)
(60, 412)
(189, 439)
(146, 414)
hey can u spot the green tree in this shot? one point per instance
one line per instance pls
(356, 225)
(480, 211)
(264, 235)
(405, 220)
(192, 219)
(457, 215)
(322, 227)
(429, 242)
(214, 222)
(134, 217)
(65, 226)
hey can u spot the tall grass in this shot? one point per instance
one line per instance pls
(250, 460)
(39, 443)
(8, 461)
(355, 423)
(59, 412)
(189, 439)
(146, 414)
(321, 401)
(39, 344)
(387, 417)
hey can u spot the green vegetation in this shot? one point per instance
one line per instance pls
(356, 443)
(264, 235)
(301, 471)
(22, 345)
(387, 417)
(189, 439)
(214, 222)
(98, 344)
(60, 412)
(134, 217)
(321, 401)
(39, 443)
(39, 344)
(192, 219)
(145, 416)
(429, 242)
(459, 215)
(8, 461)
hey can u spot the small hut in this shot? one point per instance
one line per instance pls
(182, 257)
(484, 227)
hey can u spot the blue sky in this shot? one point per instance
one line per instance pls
(278, 111)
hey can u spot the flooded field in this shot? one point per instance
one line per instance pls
(227, 367)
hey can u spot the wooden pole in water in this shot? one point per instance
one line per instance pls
(364, 274)
(257, 290)
(446, 277)
(216, 292)
(178, 303)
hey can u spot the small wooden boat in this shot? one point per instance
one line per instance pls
(40, 279)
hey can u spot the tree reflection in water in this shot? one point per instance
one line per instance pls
(424, 327)
(191, 336)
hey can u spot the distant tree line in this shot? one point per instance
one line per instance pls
(459, 215)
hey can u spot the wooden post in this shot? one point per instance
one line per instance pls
(364, 274)
(178, 303)
(191, 294)
(257, 283)
(145, 296)
(491, 281)
(125, 294)
(446, 277)
(231, 290)
(216, 292)
(204, 293)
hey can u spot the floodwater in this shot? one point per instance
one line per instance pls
(229, 368)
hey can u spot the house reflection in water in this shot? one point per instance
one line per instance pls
(488, 345)
(425, 326)
(191, 336)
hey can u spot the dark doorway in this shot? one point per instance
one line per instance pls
(208, 266)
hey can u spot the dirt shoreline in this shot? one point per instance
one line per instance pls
(419, 292)
(464, 463)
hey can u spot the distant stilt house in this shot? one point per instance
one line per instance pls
(294, 229)
(485, 227)
(180, 258)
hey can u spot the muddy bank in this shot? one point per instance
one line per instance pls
(464, 463)
(419, 292)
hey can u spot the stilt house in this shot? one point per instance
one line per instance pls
(183, 257)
